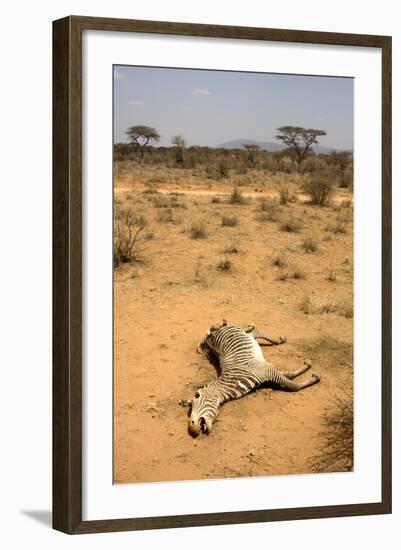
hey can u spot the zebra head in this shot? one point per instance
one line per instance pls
(204, 410)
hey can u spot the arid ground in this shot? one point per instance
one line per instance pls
(205, 253)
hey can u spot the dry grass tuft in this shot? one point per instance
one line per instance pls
(310, 306)
(236, 197)
(292, 272)
(229, 221)
(309, 244)
(336, 453)
(332, 276)
(291, 224)
(198, 231)
(224, 265)
(285, 195)
(165, 216)
(337, 227)
(280, 259)
(232, 249)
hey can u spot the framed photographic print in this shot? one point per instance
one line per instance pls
(222, 275)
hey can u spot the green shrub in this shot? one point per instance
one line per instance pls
(224, 169)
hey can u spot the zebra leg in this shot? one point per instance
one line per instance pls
(294, 373)
(280, 379)
(256, 333)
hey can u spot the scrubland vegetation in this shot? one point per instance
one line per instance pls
(251, 236)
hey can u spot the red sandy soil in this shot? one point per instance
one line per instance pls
(164, 305)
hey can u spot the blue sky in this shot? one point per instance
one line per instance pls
(212, 107)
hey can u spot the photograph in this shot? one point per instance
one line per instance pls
(233, 223)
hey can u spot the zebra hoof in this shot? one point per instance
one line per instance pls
(316, 377)
(308, 363)
(283, 339)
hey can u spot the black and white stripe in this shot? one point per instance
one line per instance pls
(242, 368)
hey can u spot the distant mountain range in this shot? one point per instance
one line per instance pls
(266, 145)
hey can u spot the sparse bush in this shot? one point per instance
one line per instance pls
(328, 306)
(198, 231)
(332, 276)
(229, 221)
(310, 305)
(344, 208)
(224, 169)
(309, 244)
(174, 202)
(280, 259)
(165, 216)
(283, 274)
(265, 204)
(337, 227)
(291, 224)
(290, 272)
(224, 265)
(347, 179)
(297, 273)
(128, 232)
(243, 180)
(236, 197)
(241, 168)
(337, 450)
(270, 211)
(231, 249)
(161, 202)
(216, 200)
(157, 179)
(346, 309)
(306, 304)
(199, 276)
(285, 195)
(319, 188)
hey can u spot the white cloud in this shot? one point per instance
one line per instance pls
(118, 75)
(136, 103)
(187, 108)
(200, 91)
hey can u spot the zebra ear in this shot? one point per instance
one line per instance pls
(185, 402)
(224, 322)
(208, 425)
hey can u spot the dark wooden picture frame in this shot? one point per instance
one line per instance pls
(67, 274)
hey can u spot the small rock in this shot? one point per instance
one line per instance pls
(152, 407)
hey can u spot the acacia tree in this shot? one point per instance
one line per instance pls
(299, 140)
(252, 149)
(179, 143)
(141, 135)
